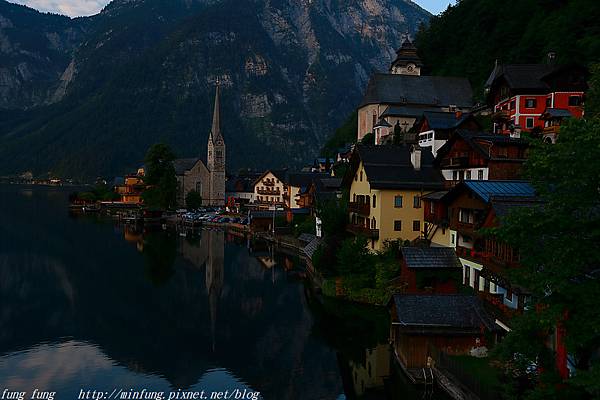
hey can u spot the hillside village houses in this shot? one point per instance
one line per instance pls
(535, 97)
(396, 100)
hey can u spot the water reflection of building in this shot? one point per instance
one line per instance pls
(371, 374)
(215, 265)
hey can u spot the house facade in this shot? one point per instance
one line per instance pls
(385, 185)
(270, 189)
(435, 128)
(469, 155)
(520, 93)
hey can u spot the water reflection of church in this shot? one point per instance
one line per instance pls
(210, 253)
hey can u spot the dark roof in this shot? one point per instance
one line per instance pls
(182, 165)
(444, 120)
(304, 179)
(306, 237)
(522, 76)
(279, 174)
(406, 111)
(407, 53)
(312, 246)
(382, 123)
(390, 167)
(475, 140)
(418, 90)
(435, 195)
(503, 205)
(451, 311)
(557, 113)
(430, 257)
(487, 190)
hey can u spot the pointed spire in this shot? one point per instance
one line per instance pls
(215, 131)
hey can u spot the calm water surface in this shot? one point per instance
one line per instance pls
(86, 304)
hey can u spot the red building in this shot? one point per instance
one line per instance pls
(520, 93)
(429, 270)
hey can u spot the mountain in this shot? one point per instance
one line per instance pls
(470, 36)
(144, 71)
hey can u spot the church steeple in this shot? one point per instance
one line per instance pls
(407, 60)
(215, 131)
(215, 162)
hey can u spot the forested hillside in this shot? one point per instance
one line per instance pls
(467, 38)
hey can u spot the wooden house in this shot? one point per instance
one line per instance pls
(429, 270)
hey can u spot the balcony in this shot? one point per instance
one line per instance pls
(452, 162)
(269, 192)
(268, 183)
(551, 130)
(359, 208)
(472, 254)
(494, 304)
(363, 231)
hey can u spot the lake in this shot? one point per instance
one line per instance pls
(91, 308)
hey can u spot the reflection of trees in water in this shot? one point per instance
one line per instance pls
(160, 251)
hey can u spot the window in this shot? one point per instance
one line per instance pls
(373, 223)
(416, 226)
(468, 175)
(574, 101)
(398, 201)
(467, 276)
(374, 119)
(513, 105)
(454, 175)
(529, 123)
(530, 103)
(432, 208)
(361, 176)
(417, 202)
(374, 201)
(354, 197)
(548, 101)
(397, 226)
(465, 216)
(480, 174)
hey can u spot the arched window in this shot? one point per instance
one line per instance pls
(373, 223)
(361, 176)
(374, 201)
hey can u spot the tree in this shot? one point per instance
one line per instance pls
(193, 200)
(369, 138)
(160, 177)
(558, 246)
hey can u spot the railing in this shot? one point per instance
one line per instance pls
(268, 183)
(450, 365)
(271, 192)
(494, 304)
(359, 208)
(363, 230)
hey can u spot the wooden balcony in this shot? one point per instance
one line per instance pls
(363, 231)
(269, 192)
(494, 304)
(458, 162)
(359, 208)
(268, 183)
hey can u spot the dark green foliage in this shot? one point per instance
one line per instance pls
(304, 224)
(99, 193)
(467, 38)
(558, 246)
(355, 263)
(346, 133)
(160, 178)
(369, 138)
(592, 103)
(193, 200)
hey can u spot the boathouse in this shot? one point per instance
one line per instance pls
(452, 323)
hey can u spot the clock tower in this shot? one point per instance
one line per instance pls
(215, 162)
(407, 61)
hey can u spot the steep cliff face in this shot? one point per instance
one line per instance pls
(35, 51)
(291, 70)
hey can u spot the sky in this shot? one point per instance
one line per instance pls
(77, 8)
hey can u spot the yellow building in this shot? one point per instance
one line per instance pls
(386, 184)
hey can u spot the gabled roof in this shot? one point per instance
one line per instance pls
(445, 311)
(488, 190)
(418, 90)
(279, 174)
(556, 113)
(430, 257)
(521, 76)
(476, 139)
(182, 165)
(390, 167)
(304, 179)
(445, 120)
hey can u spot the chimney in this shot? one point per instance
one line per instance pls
(415, 157)
(458, 114)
